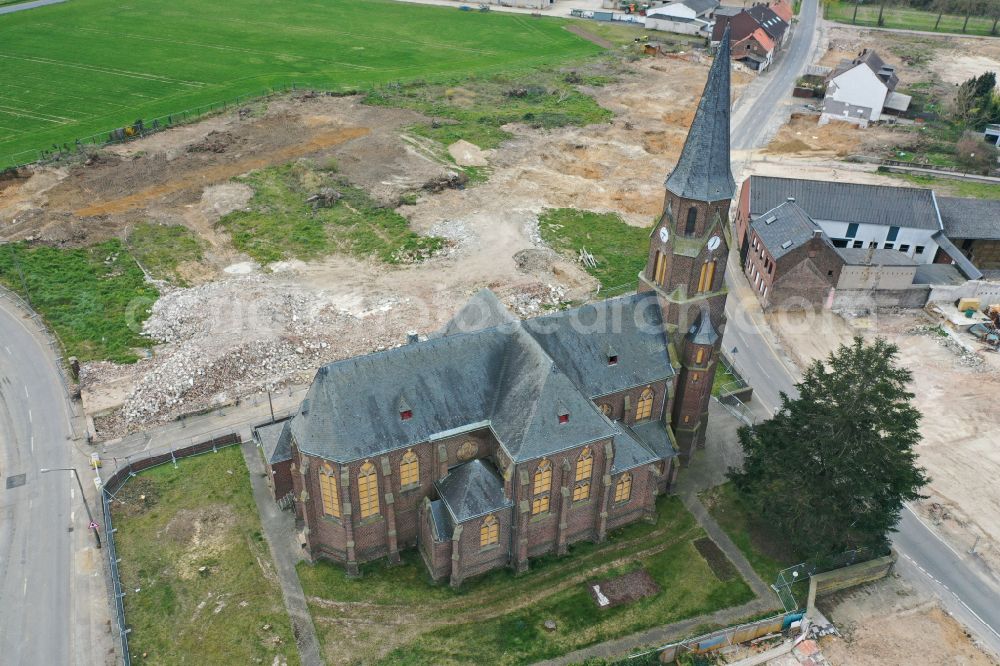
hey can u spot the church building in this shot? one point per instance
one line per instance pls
(497, 440)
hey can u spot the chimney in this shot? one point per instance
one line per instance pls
(790, 199)
(411, 337)
(817, 233)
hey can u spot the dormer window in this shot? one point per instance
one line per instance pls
(406, 414)
(613, 359)
(564, 418)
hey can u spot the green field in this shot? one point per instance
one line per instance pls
(71, 70)
(200, 581)
(904, 18)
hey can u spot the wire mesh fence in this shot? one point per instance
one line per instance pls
(129, 468)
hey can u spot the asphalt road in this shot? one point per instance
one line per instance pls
(36, 545)
(956, 578)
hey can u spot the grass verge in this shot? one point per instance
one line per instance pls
(161, 249)
(765, 550)
(94, 299)
(950, 186)
(723, 378)
(619, 248)
(282, 225)
(200, 581)
(498, 617)
(905, 18)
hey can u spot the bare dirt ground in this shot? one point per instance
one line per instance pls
(242, 328)
(890, 623)
(953, 391)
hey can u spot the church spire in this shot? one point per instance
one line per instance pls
(703, 172)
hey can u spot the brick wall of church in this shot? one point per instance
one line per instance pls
(475, 559)
(617, 401)
(436, 554)
(641, 502)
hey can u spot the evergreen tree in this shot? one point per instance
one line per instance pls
(832, 469)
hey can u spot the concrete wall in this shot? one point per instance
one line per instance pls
(868, 300)
(876, 277)
(877, 233)
(845, 577)
(987, 292)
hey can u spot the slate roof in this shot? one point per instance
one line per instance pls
(700, 6)
(726, 10)
(483, 310)
(703, 172)
(513, 378)
(275, 440)
(884, 72)
(656, 437)
(847, 202)
(442, 521)
(961, 261)
(860, 257)
(784, 228)
(629, 453)
(471, 490)
(702, 332)
(773, 24)
(581, 338)
(970, 218)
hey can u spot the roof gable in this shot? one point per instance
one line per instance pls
(471, 490)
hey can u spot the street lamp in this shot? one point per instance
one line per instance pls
(90, 516)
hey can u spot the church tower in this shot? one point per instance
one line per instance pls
(688, 248)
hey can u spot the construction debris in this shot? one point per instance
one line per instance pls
(325, 198)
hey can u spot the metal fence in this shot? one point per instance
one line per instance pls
(110, 488)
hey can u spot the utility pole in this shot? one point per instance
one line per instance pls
(86, 505)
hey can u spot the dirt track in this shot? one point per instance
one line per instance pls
(341, 306)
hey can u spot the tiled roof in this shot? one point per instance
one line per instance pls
(629, 453)
(513, 378)
(773, 24)
(471, 490)
(761, 38)
(847, 202)
(703, 172)
(970, 218)
(275, 440)
(784, 228)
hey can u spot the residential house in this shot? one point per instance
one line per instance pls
(688, 17)
(498, 440)
(755, 34)
(862, 91)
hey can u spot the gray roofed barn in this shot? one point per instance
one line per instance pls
(471, 490)
(847, 202)
(784, 228)
(703, 171)
(970, 218)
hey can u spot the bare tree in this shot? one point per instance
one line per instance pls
(941, 6)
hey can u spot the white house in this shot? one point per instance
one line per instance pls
(687, 17)
(861, 91)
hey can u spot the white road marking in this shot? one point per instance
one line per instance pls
(8, 350)
(928, 528)
(72, 495)
(32, 443)
(959, 599)
(72, 516)
(26, 392)
(24, 588)
(30, 420)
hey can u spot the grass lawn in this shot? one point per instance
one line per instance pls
(619, 248)
(723, 378)
(762, 548)
(953, 187)
(281, 225)
(200, 515)
(476, 109)
(161, 248)
(95, 298)
(904, 17)
(497, 618)
(87, 66)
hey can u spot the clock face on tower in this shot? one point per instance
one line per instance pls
(713, 243)
(664, 234)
